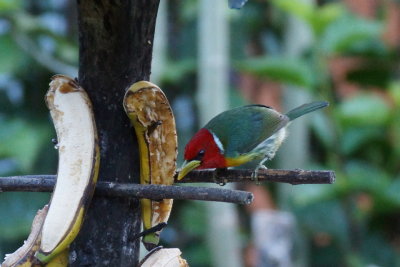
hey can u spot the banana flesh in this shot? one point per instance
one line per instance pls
(78, 165)
(151, 115)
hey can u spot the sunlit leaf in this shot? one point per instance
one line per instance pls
(394, 91)
(9, 5)
(326, 15)
(285, 70)
(298, 8)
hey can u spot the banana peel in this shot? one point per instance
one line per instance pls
(24, 256)
(164, 257)
(78, 166)
(60, 260)
(151, 116)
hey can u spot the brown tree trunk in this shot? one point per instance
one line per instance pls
(115, 48)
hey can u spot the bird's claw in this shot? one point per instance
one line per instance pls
(216, 174)
(254, 175)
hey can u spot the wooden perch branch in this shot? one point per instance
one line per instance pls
(45, 183)
(293, 177)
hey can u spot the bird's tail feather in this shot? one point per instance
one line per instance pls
(306, 108)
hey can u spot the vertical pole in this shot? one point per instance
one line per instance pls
(294, 151)
(115, 48)
(212, 98)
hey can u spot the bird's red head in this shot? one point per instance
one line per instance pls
(203, 147)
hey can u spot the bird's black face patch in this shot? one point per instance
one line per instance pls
(200, 155)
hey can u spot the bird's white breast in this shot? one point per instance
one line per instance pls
(269, 146)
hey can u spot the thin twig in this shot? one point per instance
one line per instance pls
(45, 183)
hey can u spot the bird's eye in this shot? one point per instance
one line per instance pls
(200, 155)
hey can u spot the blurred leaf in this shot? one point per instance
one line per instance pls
(191, 216)
(362, 176)
(377, 251)
(375, 73)
(308, 194)
(177, 70)
(22, 141)
(316, 17)
(323, 128)
(348, 32)
(297, 8)
(355, 138)
(282, 69)
(394, 92)
(325, 217)
(9, 5)
(325, 15)
(392, 192)
(11, 56)
(17, 212)
(363, 110)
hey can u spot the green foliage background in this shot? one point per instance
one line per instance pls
(358, 137)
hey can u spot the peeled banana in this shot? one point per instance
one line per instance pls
(78, 165)
(151, 115)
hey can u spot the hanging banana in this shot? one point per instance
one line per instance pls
(78, 165)
(151, 116)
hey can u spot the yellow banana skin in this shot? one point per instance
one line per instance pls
(79, 159)
(61, 260)
(152, 118)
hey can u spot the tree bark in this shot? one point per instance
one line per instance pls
(115, 48)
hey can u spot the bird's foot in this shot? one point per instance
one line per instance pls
(217, 173)
(254, 175)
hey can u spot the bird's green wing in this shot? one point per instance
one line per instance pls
(241, 129)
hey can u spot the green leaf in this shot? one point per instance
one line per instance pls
(11, 56)
(324, 217)
(18, 210)
(364, 110)
(326, 15)
(324, 129)
(355, 138)
(392, 192)
(348, 32)
(297, 8)
(22, 141)
(176, 71)
(9, 5)
(281, 69)
(362, 176)
(394, 91)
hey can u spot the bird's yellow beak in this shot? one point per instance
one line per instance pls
(187, 167)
